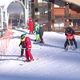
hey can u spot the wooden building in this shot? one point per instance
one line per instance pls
(57, 14)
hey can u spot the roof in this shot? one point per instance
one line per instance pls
(76, 2)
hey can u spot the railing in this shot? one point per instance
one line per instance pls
(5, 39)
(4, 42)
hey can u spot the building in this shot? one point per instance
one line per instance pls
(54, 14)
(15, 11)
(57, 14)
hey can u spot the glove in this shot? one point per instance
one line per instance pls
(26, 49)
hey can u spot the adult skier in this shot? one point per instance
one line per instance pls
(28, 45)
(70, 38)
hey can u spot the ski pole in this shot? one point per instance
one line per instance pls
(31, 48)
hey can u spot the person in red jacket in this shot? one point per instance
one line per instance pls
(70, 38)
(28, 45)
(31, 26)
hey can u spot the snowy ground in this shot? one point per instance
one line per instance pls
(54, 62)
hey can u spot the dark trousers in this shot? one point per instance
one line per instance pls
(41, 39)
(70, 42)
(75, 43)
(22, 52)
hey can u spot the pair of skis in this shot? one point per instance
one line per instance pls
(24, 60)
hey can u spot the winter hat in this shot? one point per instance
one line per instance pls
(30, 19)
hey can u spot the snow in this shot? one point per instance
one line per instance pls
(54, 63)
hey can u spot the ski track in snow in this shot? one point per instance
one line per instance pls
(54, 63)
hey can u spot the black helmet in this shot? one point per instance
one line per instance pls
(69, 29)
(22, 36)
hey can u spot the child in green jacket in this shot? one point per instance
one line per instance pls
(37, 31)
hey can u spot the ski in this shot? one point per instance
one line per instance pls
(24, 60)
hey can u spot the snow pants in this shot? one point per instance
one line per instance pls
(41, 39)
(28, 55)
(37, 37)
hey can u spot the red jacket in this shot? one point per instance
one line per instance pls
(28, 42)
(70, 36)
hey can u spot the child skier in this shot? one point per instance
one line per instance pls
(69, 40)
(22, 44)
(31, 26)
(28, 45)
(37, 30)
(69, 32)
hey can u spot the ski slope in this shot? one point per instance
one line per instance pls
(54, 63)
